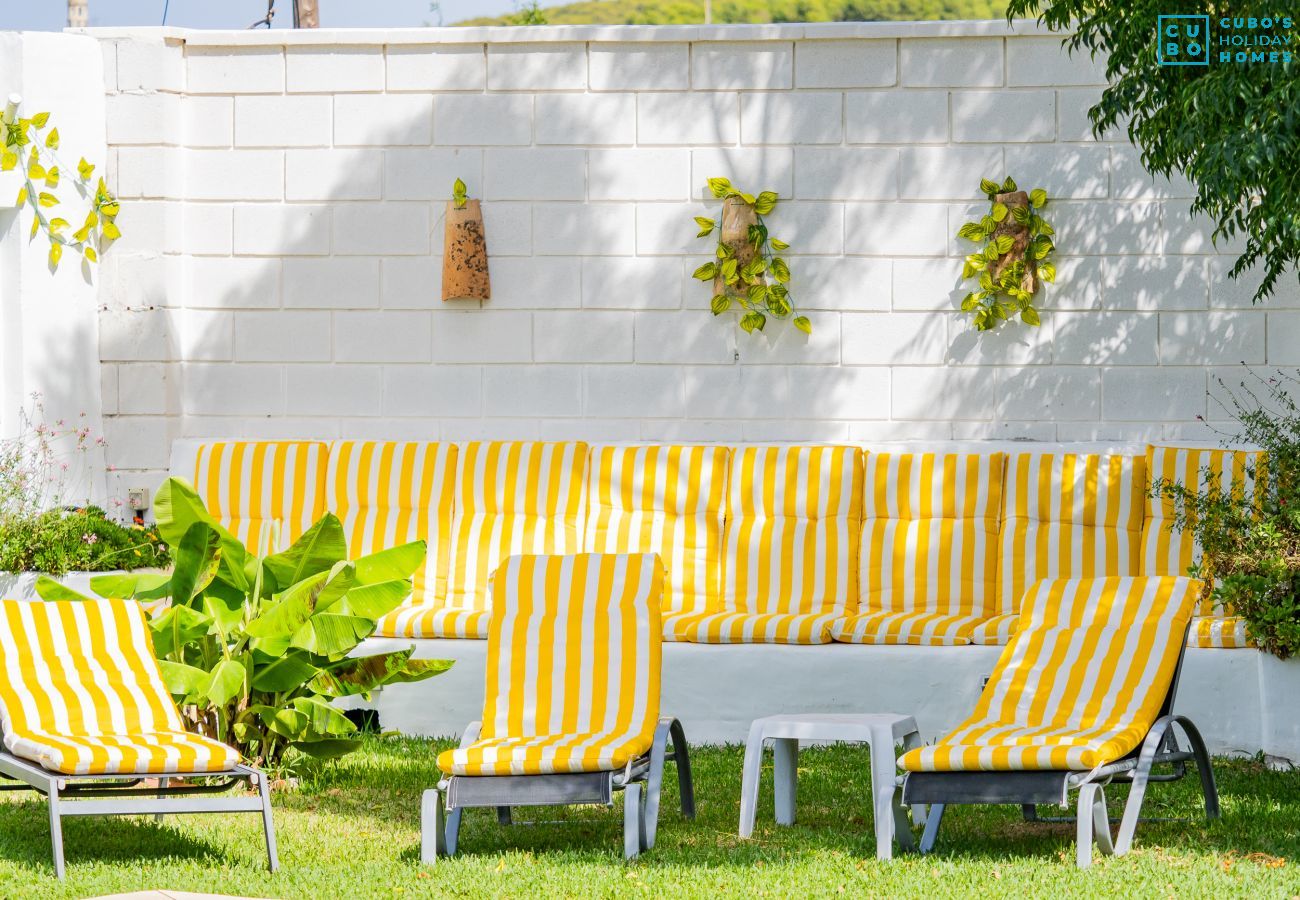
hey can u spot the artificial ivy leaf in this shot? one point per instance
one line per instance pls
(986, 281)
(756, 293)
(968, 303)
(90, 254)
(22, 197)
(1045, 227)
(36, 226)
(705, 272)
(719, 187)
(85, 169)
(1037, 197)
(765, 202)
(967, 270)
(1005, 243)
(752, 321)
(989, 187)
(706, 226)
(729, 269)
(802, 323)
(1008, 186)
(987, 223)
(1047, 272)
(991, 252)
(748, 198)
(720, 304)
(780, 271)
(57, 225)
(35, 171)
(1020, 214)
(111, 231)
(724, 251)
(999, 212)
(52, 177)
(779, 245)
(52, 139)
(971, 231)
(40, 119)
(8, 160)
(1029, 316)
(459, 194)
(56, 254)
(47, 200)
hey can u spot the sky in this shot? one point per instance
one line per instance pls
(51, 15)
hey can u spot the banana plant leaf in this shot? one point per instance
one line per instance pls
(361, 676)
(394, 564)
(186, 682)
(229, 680)
(132, 585)
(177, 627)
(290, 671)
(225, 605)
(332, 635)
(327, 749)
(288, 722)
(323, 719)
(196, 561)
(49, 589)
(177, 507)
(292, 610)
(318, 550)
(374, 601)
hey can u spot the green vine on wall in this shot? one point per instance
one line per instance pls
(1014, 259)
(41, 178)
(746, 270)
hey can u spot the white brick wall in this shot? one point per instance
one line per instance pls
(283, 205)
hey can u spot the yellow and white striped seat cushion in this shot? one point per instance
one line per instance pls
(1218, 633)
(266, 493)
(1081, 682)
(1067, 515)
(573, 665)
(388, 493)
(667, 500)
(995, 631)
(929, 548)
(81, 693)
(794, 516)
(512, 497)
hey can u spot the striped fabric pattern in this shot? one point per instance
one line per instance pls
(996, 631)
(794, 516)
(81, 693)
(266, 493)
(1081, 682)
(1218, 633)
(929, 548)
(573, 666)
(512, 497)
(1068, 515)
(388, 493)
(667, 500)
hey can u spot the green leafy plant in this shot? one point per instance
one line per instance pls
(1250, 539)
(529, 13)
(28, 145)
(746, 270)
(1014, 257)
(81, 540)
(459, 194)
(1229, 126)
(256, 648)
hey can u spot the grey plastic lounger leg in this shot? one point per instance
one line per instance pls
(1029, 812)
(685, 783)
(902, 821)
(1155, 739)
(433, 827)
(668, 729)
(503, 816)
(785, 778)
(632, 821)
(750, 774)
(56, 830)
(1093, 823)
(268, 824)
(162, 793)
(933, 819)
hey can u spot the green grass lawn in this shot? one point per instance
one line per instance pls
(351, 829)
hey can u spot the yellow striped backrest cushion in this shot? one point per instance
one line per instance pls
(388, 493)
(1166, 551)
(255, 488)
(667, 500)
(794, 517)
(512, 497)
(1068, 515)
(574, 646)
(80, 668)
(930, 532)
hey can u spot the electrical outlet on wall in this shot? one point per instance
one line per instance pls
(137, 498)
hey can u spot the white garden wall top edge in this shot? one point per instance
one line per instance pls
(571, 33)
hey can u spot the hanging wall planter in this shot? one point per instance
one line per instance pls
(464, 250)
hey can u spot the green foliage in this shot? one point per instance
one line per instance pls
(687, 12)
(459, 194)
(1229, 127)
(27, 144)
(255, 648)
(1007, 286)
(1250, 539)
(80, 540)
(757, 288)
(529, 13)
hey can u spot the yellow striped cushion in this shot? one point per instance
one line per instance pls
(1068, 515)
(572, 666)
(666, 500)
(995, 631)
(388, 493)
(267, 493)
(1081, 682)
(929, 547)
(751, 628)
(1218, 633)
(1169, 552)
(81, 693)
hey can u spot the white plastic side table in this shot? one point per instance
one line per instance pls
(881, 732)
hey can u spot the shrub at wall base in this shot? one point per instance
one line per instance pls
(256, 648)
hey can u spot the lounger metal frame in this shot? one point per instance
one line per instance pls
(125, 795)
(640, 781)
(1028, 788)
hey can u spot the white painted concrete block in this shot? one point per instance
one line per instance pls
(843, 283)
(809, 227)
(410, 282)
(535, 174)
(896, 117)
(864, 63)
(1033, 60)
(700, 118)
(666, 227)
(135, 335)
(282, 121)
(295, 230)
(333, 174)
(383, 120)
(334, 69)
(282, 336)
(143, 118)
(483, 119)
(334, 390)
(582, 336)
(1049, 394)
(1156, 282)
(232, 175)
(144, 440)
(950, 62)
(1104, 229)
(1153, 394)
(208, 121)
(639, 66)
(881, 339)
(227, 70)
(146, 389)
(751, 169)
(222, 389)
(244, 282)
(885, 229)
(1066, 172)
(207, 228)
(753, 65)
(845, 174)
(584, 229)
(585, 118)
(441, 67)
(537, 67)
(334, 283)
(638, 174)
(434, 390)
(382, 337)
(149, 65)
(1213, 338)
(1003, 117)
(641, 391)
(690, 336)
(483, 337)
(1283, 334)
(532, 391)
(510, 226)
(1072, 106)
(1130, 180)
(630, 283)
(389, 228)
(542, 282)
(927, 284)
(205, 335)
(929, 392)
(427, 174)
(148, 172)
(1105, 338)
(805, 117)
(947, 173)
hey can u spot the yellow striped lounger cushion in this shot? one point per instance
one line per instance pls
(388, 493)
(794, 515)
(1167, 551)
(512, 497)
(573, 664)
(668, 500)
(929, 565)
(1064, 515)
(266, 493)
(81, 693)
(1080, 684)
